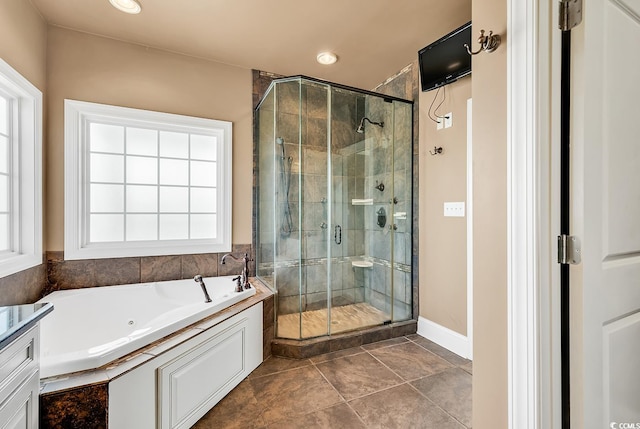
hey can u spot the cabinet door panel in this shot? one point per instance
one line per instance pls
(20, 409)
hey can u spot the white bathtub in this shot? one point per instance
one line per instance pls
(92, 327)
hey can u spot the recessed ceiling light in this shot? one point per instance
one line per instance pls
(326, 58)
(127, 6)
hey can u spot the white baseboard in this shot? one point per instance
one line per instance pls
(445, 337)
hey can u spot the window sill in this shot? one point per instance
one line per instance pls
(16, 263)
(115, 250)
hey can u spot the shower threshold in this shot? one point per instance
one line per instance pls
(343, 319)
(344, 339)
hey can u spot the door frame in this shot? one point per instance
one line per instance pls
(533, 74)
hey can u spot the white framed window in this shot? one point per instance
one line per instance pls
(143, 183)
(20, 172)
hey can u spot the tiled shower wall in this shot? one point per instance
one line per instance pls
(389, 163)
(405, 84)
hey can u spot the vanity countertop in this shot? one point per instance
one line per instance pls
(16, 319)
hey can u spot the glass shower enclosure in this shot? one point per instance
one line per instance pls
(334, 206)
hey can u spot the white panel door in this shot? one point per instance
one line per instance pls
(606, 215)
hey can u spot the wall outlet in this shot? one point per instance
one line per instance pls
(448, 120)
(454, 209)
(440, 124)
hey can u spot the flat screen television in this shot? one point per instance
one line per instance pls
(445, 60)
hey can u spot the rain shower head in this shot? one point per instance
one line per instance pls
(360, 128)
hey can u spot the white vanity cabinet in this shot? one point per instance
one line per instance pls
(20, 381)
(20, 364)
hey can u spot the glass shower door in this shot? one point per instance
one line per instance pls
(315, 209)
(289, 279)
(361, 153)
(379, 223)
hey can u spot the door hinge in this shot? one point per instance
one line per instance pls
(569, 250)
(570, 14)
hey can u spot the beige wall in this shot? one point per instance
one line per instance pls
(443, 240)
(96, 69)
(489, 92)
(90, 68)
(23, 40)
(23, 45)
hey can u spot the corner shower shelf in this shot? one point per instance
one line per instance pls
(362, 264)
(365, 202)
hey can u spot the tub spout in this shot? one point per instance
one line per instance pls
(198, 279)
(244, 276)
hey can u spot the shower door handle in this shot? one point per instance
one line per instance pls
(337, 234)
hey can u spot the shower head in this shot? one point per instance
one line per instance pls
(360, 128)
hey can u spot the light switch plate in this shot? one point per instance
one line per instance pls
(454, 209)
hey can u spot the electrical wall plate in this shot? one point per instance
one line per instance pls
(448, 120)
(454, 209)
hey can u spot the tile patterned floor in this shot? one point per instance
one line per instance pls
(406, 382)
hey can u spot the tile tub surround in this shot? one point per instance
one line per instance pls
(85, 407)
(59, 396)
(117, 271)
(387, 384)
(24, 286)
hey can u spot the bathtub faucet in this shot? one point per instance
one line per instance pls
(198, 279)
(244, 277)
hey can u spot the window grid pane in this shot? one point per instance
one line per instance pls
(6, 194)
(5, 239)
(160, 195)
(5, 154)
(4, 116)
